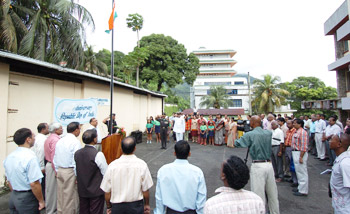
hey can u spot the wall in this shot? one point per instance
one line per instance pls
(33, 98)
(4, 85)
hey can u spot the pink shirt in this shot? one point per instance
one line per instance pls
(50, 146)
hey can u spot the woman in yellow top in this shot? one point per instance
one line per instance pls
(194, 131)
(240, 133)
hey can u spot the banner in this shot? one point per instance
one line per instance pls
(74, 110)
(102, 101)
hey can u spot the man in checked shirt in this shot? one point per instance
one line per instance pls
(299, 153)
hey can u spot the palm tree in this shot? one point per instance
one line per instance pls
(267, 94)
(217, 98)
(135, 22)
(92, 64)
(55, 29)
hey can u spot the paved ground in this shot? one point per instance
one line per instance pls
(209, 159)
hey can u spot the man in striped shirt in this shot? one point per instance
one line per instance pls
(300, 155)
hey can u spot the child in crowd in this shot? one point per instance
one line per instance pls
(203, 132)
(211, 134)
(156, 124)
(149, 127)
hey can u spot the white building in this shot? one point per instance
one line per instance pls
(217, 69)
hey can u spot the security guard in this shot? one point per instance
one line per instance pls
(164, 130)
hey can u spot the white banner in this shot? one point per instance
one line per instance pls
(102, 101)
(74, 110)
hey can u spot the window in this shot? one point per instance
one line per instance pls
(217, 83)
(236, 103)
(239, 83)
(232, 91)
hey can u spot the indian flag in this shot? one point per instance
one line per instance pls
(111, 20)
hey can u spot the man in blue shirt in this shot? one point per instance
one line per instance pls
(24, 175)
(180, 185)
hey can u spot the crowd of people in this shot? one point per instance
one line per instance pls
(78, 180)
(57, 173)
(221, 130)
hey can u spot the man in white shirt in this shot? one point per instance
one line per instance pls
(93, 125)
(340, 179)
(332, 129)
(232, 197)
(179, 126)
(127, 182)
(277, 142)
(67, 192)
(38, 149)
(320, 127)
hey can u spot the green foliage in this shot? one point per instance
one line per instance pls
(172, 98)
(104, 56)
(267, 94)
(217, 98)
(52, 30)
(92, 64)
(170, 109)
(306, 89)
(134, 21)
(168, 62)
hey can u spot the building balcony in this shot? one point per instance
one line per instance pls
(342, 63)
(213, 52)
(338, 18)
(343, 33)
(232, 62)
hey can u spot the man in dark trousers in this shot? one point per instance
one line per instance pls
(24, 175)
(164, 130)
(91, 166)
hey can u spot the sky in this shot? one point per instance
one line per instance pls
(278, 37)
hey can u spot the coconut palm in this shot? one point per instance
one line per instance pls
(92, 64)
(217, 98)
(55, 29)
(267, 94)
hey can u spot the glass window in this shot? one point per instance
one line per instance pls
(232, 91)
(236, 103)
(217, 83)
(239, 83)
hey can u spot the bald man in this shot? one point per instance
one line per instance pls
(340, 179)
(262, 178)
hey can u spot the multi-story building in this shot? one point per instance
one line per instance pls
(338, 26)
(216, 68)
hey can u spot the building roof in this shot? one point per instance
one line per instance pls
(238, 111)
(32, 66)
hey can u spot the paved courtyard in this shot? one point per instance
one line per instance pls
(209, 159)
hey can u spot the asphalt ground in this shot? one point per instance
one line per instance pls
(209, 159)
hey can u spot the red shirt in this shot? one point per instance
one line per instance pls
(289, 136)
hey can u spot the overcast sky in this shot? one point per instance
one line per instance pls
(277, 37)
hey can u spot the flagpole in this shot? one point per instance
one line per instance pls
(112, 78)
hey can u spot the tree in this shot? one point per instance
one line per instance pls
(217, 98)
(55, 30)
(104, 55)
(267, 94)
(168, 62)
(135, 22)
(306, 89)
(92, 64)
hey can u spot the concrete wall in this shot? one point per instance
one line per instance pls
(4, 85)
(31, 101)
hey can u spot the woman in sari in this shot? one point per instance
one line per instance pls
(232, 133)
(219, 131)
